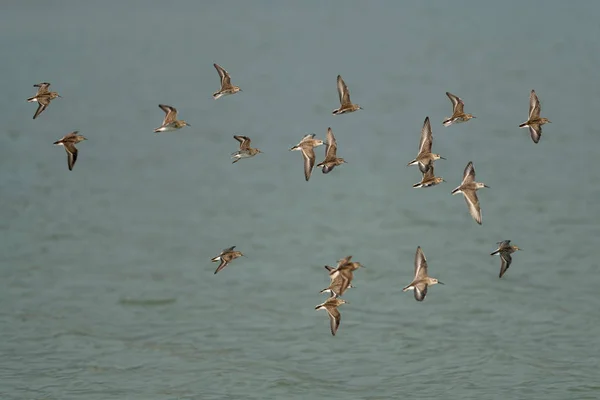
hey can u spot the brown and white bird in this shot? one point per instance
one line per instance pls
(43, 97)
(534, 122)
(425, 158)
(346, 105)
(469, 188)
(331, 159)
(226, 87)
(68, 142)
(245, 150)
(331, 305)
(458, 114)
(421, 280)
(226, 256)
(505, 250)
(170, 123)
(307, 147)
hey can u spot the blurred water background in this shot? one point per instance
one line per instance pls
(106, 286)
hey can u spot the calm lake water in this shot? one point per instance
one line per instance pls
(106, 286)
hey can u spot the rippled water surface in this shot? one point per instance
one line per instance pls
(106, 286)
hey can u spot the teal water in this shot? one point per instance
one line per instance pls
(106, 286)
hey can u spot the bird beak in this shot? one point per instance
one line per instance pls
(442, 158)
(187, 124)
(486, 186)
(441, 283)
(443, 180)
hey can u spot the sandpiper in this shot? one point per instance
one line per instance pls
(429, 179)
(342, 274)
(331, 305)
(170, 123)
(226, 87)
(346, 265)
(306, 146)
(425, 158)
(505, 250)
(458, 115)
(226, 256)
(43, 97)
(331, 159)
(245, 150)
(68, 142)
(340, 282)
(535, 122)
(469, 188)
(346, 105)
(421, 280)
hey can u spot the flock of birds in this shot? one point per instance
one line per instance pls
(342, 275)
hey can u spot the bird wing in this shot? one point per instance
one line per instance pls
(426, 138)
(170, 113)
(244, 141)
(429, 172)
(457, 103)
(71, 154)
(225, 78)
(473, 203)
(534, 106)
(420, 291)
(42, 87)
(535, 130)
(43, 102)
(334, 319)
(331, 148)
(343, 261)
(505, 263)
(308, 154)
(469, 173)
(227, 250)
(222, 265)
(343, 92)
(420, 264)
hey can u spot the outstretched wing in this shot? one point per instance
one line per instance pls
(71, 154)
(534, 106)
(225, 78)
(43, 102)
(473, 204)
(469, 173)
(420, 264)
(244, 141)
(457, 103)
(331, 148)
(308, 154)
(506, 261)
(170, 113)
(426, 138)
(42, 87)
(535, 130)
(343, 92)
(334, 319)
